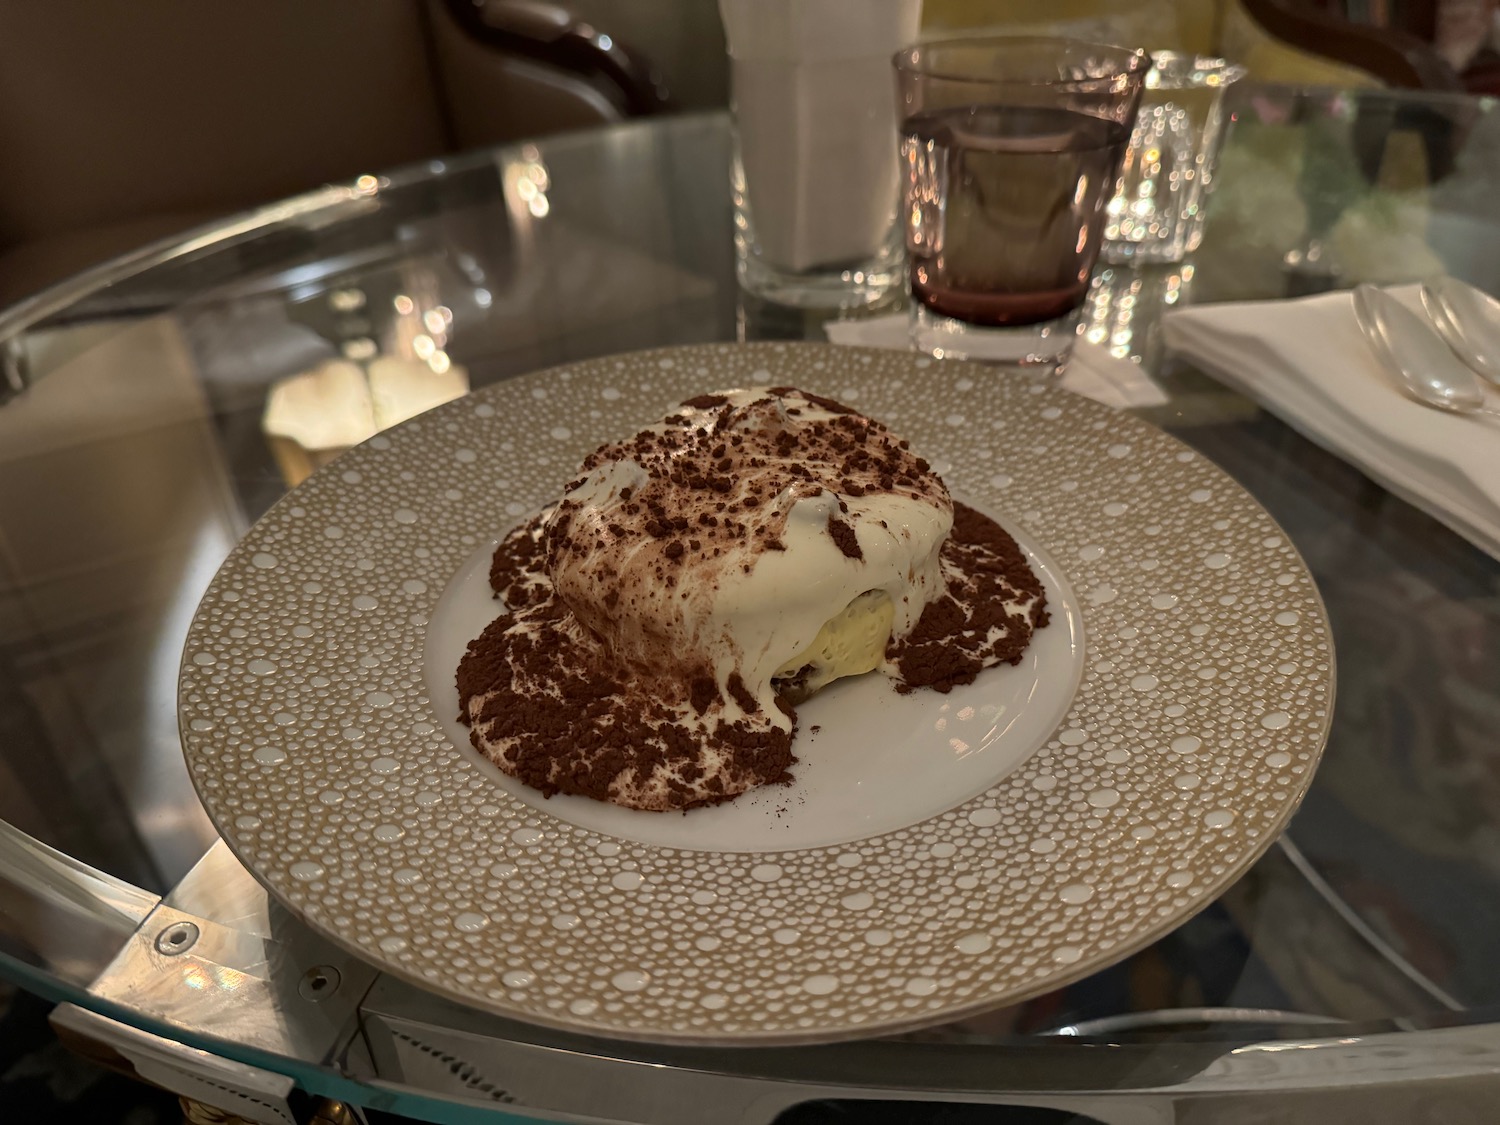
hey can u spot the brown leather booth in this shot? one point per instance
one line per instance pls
(125, 122)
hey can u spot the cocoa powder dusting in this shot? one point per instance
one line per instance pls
(543, 704)
(551, 703)
(969, 628)
(703, 692)
(844, 538)
(741, 694)
(516, 570)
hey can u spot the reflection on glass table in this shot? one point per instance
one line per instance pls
(135, 451)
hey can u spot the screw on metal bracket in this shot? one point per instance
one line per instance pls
(177, 938)
(319, 983)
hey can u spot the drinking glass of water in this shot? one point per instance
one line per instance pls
(1157, 212)
(1010, 151)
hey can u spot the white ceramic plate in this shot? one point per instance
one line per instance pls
(937, 855)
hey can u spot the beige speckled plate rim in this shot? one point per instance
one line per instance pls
(1043, 982)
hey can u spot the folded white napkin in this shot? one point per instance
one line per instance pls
(1307, 362)
(1090, 371)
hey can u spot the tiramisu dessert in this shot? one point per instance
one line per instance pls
(698, 581)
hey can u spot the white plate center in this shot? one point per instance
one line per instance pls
(870, 760)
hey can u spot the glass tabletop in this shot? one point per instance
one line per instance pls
(153, 409)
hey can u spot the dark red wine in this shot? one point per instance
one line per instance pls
(1005, 209)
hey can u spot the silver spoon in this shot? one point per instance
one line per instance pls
(1424, 366)
(1469, 319)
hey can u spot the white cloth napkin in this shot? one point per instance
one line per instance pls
(1090, 371)
(1307, 362)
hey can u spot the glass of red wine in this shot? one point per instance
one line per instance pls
(1010, 151)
